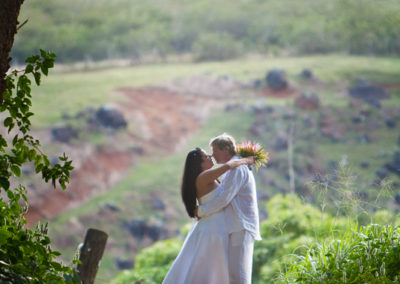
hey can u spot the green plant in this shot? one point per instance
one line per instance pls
(152, 263)
(291, 229)
(370, 254)
(216, 47)
(25, 254)
(341, 194)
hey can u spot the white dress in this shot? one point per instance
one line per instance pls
(203, 258)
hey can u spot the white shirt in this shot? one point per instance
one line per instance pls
(237, 197)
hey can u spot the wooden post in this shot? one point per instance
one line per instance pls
(290, 157)
(91, 254)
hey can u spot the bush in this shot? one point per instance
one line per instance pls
(216, 46)
(152, 263)
(370, 254)
(25, 254)
(292, 228)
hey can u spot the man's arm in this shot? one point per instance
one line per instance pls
(227, 190)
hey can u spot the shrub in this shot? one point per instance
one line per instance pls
(216, 46)
(292, 228)
(370, 254)
(152, 263)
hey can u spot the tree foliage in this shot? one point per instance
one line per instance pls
(80, 30)
(25, 254)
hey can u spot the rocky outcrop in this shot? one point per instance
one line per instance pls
(276, 79)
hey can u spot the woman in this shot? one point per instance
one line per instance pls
(204, 255)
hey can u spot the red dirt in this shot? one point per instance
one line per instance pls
(284, 93)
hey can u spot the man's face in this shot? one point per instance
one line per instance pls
(218, 154)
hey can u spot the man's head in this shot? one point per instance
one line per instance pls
(223, 148)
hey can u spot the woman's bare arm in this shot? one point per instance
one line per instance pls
(210, 175)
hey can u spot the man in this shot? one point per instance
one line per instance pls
(237, 198)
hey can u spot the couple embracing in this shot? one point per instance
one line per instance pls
(219, 247)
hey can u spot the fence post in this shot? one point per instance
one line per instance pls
(91, 254)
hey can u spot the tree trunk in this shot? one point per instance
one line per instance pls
(9, 11)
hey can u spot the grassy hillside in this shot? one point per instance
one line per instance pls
(131, 198)
(70, 92)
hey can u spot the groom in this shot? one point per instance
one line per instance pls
(237, 198)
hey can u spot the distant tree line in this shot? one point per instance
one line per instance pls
(209, 29)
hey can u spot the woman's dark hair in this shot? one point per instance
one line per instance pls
(190, 173)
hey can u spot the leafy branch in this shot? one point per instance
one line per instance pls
(16, 104)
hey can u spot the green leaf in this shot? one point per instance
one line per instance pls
(32, 155)
(29, 68)
(37, 76)
(8, 121)
(3, 142)
(43, 53)
(32, 59)
(49, 63)
(4, 183)
(4, 236)
(45, 70)
(10, 194)
(46, 160)
(38, 168)
(15, 139)
(16, 170)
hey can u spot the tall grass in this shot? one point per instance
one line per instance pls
(369, 254)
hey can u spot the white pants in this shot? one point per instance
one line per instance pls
(241, 246)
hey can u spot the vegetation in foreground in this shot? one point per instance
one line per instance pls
(300, 244)
(25, 254)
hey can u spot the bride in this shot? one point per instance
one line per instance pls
(204, 255)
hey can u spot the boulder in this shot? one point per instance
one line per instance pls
(306, 74)
(276, 79)
(63, 133)
(390, 123)
(394, 166)
(156, 232)
(381, 173)
(137, 228)
(157, 204)
(110, 117)
(369, 93)
(124, 264)
(140, 229)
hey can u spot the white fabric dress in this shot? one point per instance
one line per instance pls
(203, 258)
